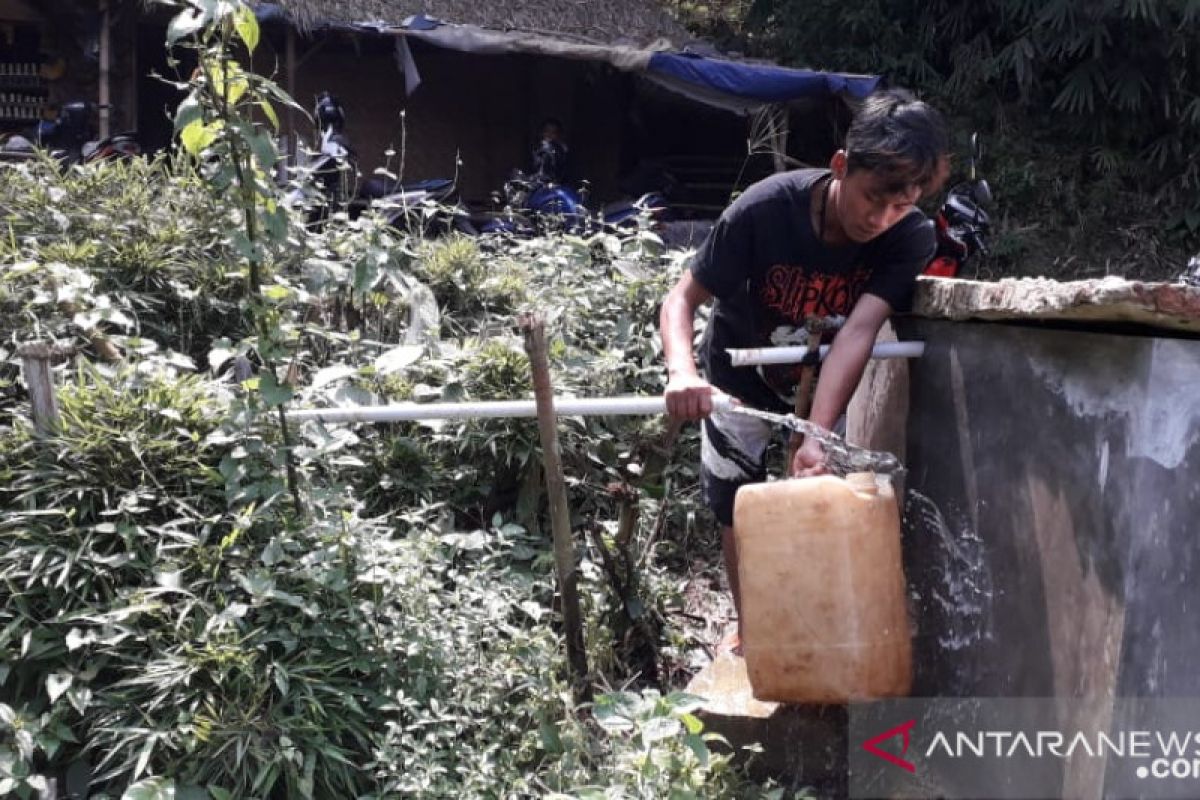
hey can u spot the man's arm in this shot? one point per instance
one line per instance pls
(688, 395)
(840, 374)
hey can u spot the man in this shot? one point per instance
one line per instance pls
(808, 244)
(550, 155)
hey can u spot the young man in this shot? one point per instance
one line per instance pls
(848, 242)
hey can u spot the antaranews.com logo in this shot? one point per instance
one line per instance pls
(1025, 748)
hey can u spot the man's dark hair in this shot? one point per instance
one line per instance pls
(898, 137)
(552, 122)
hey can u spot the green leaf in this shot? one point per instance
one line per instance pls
(221, 352)
(273, 553)
(143, 761)
(277, 292)
(189, 111)
(220, 794)
(260, 143)
(698, 747)
(57, 683)
(229, 80)
(269, 111)
(151, 789)
(197, 136)
(185, 24)
(656, 729)
(246, 25)
(398, 358)
(273, 392)
(684, 703)
(329, 375)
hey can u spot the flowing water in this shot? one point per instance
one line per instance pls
(841, 457)
(952, 593)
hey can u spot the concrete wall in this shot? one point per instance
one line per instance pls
(1051, 527)
(1066, 467)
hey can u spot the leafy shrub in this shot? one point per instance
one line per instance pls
(1089, 111)
(198, 599)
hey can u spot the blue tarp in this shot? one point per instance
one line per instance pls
(765, 83)
(271, 12)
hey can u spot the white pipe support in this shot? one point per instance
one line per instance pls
(794, 355)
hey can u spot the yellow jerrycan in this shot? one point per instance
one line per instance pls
(824, 608)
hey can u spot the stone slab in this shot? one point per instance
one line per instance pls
(801, 745)
(1169, 306)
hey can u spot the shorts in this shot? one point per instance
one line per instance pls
(733, 453)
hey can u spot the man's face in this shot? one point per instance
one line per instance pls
(867, 206)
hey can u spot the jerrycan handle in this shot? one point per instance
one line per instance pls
(863, 482)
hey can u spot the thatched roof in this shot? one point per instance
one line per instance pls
(640, 21)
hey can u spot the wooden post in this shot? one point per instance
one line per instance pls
(105, 70)
(293, 146)
(131, 102)
(560, 517)
(36, 360)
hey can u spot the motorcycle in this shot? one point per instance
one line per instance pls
(534, 204)
(962, 224)
(403, 205)
(70, 138)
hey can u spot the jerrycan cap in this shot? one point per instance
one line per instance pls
(863, 482)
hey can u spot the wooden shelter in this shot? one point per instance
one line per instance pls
(464, 101)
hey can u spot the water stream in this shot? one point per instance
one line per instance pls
(841, 457)
(957, 583)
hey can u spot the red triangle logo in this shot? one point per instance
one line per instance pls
(872, 745)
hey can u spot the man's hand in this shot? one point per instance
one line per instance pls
(809, 460)
(689, 397)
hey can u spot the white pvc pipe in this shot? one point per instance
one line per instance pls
(567, 407)
(793, 355)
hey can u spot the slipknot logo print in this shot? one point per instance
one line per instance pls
(796, 294)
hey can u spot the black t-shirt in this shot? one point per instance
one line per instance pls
(768, 270)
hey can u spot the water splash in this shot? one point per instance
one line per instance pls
(841, 457)
(959, 588)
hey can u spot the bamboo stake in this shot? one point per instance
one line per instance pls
(293, 145)
(564, 547)
(105, 98)
(36, 360)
